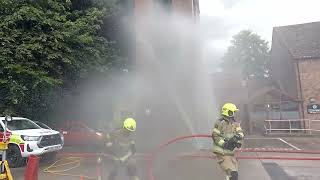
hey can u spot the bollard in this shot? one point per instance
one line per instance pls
(31, 172)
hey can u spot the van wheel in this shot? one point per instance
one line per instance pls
(14, 157)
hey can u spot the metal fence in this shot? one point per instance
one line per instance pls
(292, 126)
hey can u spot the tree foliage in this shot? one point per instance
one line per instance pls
(47, 46)
(249, 52)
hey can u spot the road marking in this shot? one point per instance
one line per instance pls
(289, 144)
(255, 138)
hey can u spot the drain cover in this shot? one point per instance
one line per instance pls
(276, 172)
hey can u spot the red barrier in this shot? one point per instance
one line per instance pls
(31, 172)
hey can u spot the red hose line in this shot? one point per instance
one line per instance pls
(162, 146)
(282, 158)
(151, 157)
(145, 156)
(253, 157)
(279, 151)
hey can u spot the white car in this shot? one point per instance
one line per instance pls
(28, 138)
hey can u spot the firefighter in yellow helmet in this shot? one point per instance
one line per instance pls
(121, 146)
(227, 135)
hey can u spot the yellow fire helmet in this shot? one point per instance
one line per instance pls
(130, 124)
(229, 109)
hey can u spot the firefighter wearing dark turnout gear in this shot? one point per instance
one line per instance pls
(227, 135)
(122, 147)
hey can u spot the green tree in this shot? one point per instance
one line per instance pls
(250, 53)
(46, 47)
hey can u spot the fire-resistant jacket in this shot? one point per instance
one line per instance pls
(119, 145)
(224, 130)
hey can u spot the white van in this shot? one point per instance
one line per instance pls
(27, 138)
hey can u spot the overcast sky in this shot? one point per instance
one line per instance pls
(224, 18)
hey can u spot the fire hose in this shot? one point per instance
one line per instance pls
(151, 158)
(62, 166)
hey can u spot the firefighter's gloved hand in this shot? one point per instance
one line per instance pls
(237, 140)
(232, 143)
(238, 137)
(228, 145)
(238, 145)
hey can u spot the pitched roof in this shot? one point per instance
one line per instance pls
(302, 40)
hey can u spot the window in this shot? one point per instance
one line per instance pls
(42, 125)
(21, 124)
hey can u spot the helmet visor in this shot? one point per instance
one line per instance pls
(231, 113)
(130, 128)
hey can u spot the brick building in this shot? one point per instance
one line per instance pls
(295, 60)
(293, 92)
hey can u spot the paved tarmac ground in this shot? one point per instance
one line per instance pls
(207, 169)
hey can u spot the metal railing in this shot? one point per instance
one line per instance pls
(289, 126)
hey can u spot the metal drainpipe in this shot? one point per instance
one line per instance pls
(301, 94)
(192, 9)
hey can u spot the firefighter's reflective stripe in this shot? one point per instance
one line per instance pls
(16, 139)
(216, 131)
(221, 142)
(125, 157)
(238, 128)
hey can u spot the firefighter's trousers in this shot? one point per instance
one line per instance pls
(227, 163)
(129, 166)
